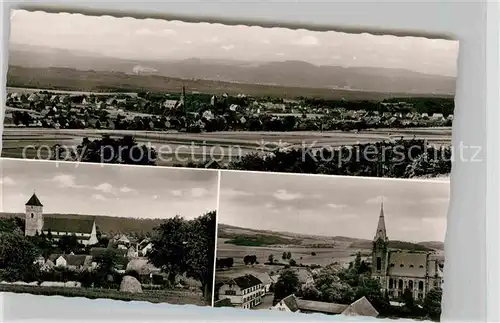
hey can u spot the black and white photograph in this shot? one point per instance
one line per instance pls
(332, 245)
(97, 231)
(236, 97)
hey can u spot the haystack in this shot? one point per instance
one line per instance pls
(130, 284)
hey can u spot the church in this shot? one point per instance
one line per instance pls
(398, 270)
(58, 226)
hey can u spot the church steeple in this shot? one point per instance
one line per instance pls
(381, 232)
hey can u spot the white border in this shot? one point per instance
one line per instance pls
(473, 214)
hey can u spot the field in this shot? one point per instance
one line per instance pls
(91, 81)
(166, 296)
(180, 148)
(305, 249)
(341, 253)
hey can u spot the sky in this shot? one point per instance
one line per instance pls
(121, 191)
(415, 210)
(160, 39)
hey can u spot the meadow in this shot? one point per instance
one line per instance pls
(225, 146)
(157, 296)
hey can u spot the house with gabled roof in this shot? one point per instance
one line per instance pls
(291, 303)
(83, 228)
(244, 291)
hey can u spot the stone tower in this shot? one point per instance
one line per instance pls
(380, 252)
(34, 216)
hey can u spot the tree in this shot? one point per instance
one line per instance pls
(284, 256)
(432, 303)
(106, 265)
(68, 244)
(17, 257)
(289, 255)
(287, 284)
(186, 247)
(313, 254)
(271, 259)
(292, 262)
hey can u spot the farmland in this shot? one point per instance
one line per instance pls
(176, 147)
(163, 296)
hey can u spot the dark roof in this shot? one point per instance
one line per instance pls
(361, 307)
(245, 282)
(291, 302)
(94, 252)
(68, 224)
(34, 201)
(226, 302)
(53, 257)
(407, 264)
(75, 260)
(321, 307)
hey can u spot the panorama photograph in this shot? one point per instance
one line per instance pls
(236, 97)
(331, 245)
(127, 233)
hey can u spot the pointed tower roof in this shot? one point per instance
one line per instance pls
(381, 232)
(34, 201)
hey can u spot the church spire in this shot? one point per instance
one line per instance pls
(381, 232)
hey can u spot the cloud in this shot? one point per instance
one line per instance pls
(155, 197)
(7, 181)
(376, 200)
(307, 41)
(269, 205)
(198, 192)
(177, 193)
(227, 47)
(126, 189)
(280, 54)
(169, 32)
(234, 193)
(188, 41)
(99, 197)
(336, 206)
(65, 180)
(436, 200)
(104, 187)
(144, 31)
(286, 196)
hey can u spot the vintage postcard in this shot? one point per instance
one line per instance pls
(170, 93)
(332, 245)
(106, 231)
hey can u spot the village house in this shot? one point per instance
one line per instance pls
(72, 262)
(244, 291)
(145, 247)
(291, 303)
(83, 228)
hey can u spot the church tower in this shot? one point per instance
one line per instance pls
(380, 252)
(34, 216)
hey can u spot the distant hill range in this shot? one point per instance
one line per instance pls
(108, 224)
(287, 73)
(256, 237)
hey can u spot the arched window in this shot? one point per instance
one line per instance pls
(420, 285)
(32, 215)
(379, 263)
(411, 266)
(401, 265)
(390, 283)
(392, 265)
(421, 266)
(410, 284)
(400, 284)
